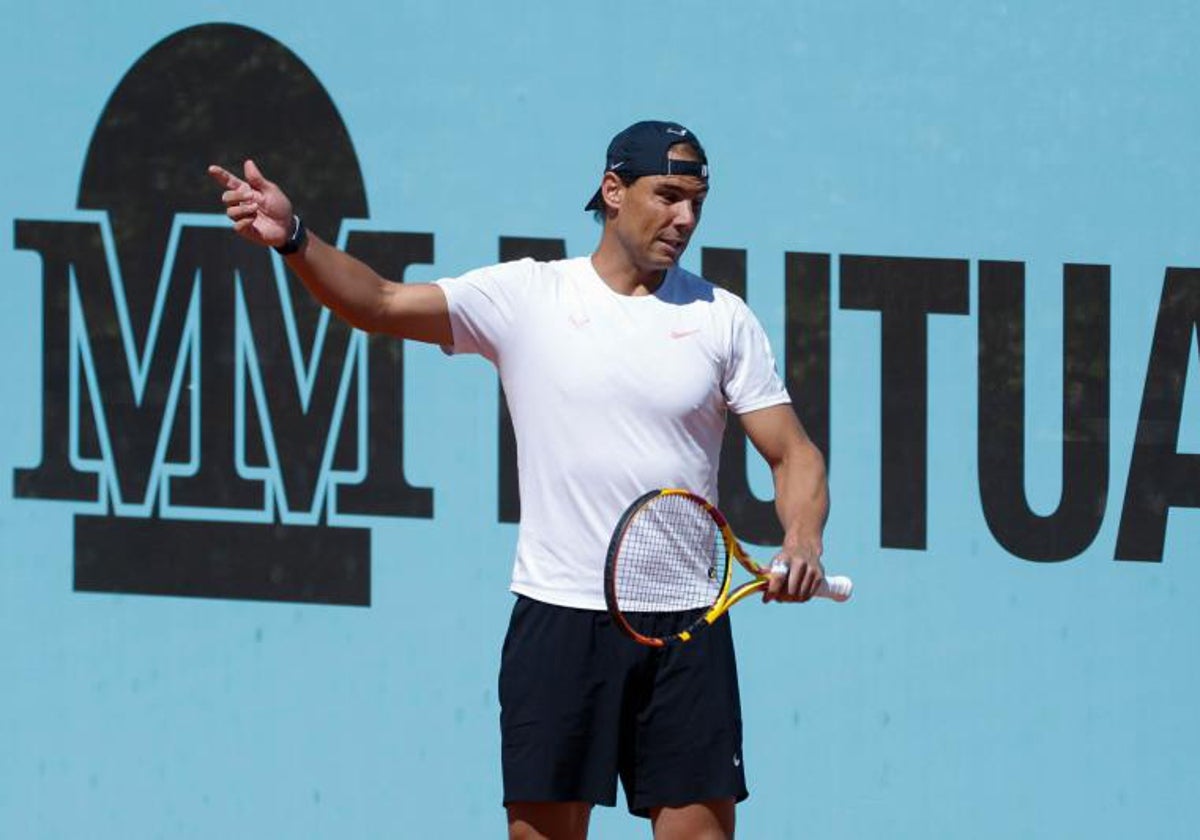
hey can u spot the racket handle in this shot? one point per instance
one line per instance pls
(836, 588)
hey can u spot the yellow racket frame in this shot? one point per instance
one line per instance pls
(724, 600)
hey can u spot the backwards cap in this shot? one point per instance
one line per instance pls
(642, 149)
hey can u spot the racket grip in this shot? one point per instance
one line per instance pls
(836, 588)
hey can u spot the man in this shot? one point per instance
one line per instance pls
(618, 369)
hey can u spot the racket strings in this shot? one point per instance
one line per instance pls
(672, 557)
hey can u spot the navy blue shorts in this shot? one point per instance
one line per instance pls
(581, 704)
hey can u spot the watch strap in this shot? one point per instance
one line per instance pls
(296, 239)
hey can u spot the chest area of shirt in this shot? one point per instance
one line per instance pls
(643, 355)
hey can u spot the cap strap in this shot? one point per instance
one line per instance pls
(687, 167)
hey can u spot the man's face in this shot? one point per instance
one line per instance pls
(657, 214)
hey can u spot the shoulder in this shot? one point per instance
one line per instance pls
(529, 270)
(512, 279)
(694, 288)
(511, 271)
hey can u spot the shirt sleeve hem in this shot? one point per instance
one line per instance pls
(762, 402)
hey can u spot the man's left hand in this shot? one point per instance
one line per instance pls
(796, 573)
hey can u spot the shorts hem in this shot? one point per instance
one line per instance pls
(643, 810)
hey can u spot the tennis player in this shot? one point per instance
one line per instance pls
(619, 369)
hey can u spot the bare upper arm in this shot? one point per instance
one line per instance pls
(775, 432)
(417, 311)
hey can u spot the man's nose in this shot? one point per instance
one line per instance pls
(685, 215)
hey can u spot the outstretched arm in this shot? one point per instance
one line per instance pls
(263, 214)
(801, 498)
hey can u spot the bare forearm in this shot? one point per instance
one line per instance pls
(364, 299)
(798, 469)
(802, 504)
(801, 497)
(348, 286)
(263, 214)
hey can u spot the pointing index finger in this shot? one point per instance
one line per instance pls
(224, 177)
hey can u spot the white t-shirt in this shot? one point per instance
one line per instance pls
(610, 396)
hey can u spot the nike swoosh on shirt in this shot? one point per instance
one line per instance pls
(683, 333)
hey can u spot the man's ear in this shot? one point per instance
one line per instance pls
(612, 191)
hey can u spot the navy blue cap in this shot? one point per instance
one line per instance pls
(642, 149)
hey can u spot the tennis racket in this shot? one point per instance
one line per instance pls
(673, 551)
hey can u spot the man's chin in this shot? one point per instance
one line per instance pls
(668, 256)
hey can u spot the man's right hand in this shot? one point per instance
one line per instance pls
(262, 214)
(260, 211)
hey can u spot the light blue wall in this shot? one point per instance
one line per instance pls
(963, 693)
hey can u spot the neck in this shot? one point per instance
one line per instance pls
(620, 273)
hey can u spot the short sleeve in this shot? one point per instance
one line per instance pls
(751, 380)
(485, 305)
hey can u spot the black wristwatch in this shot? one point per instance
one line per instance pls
(293, 243)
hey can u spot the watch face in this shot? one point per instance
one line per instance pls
(299, 233)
